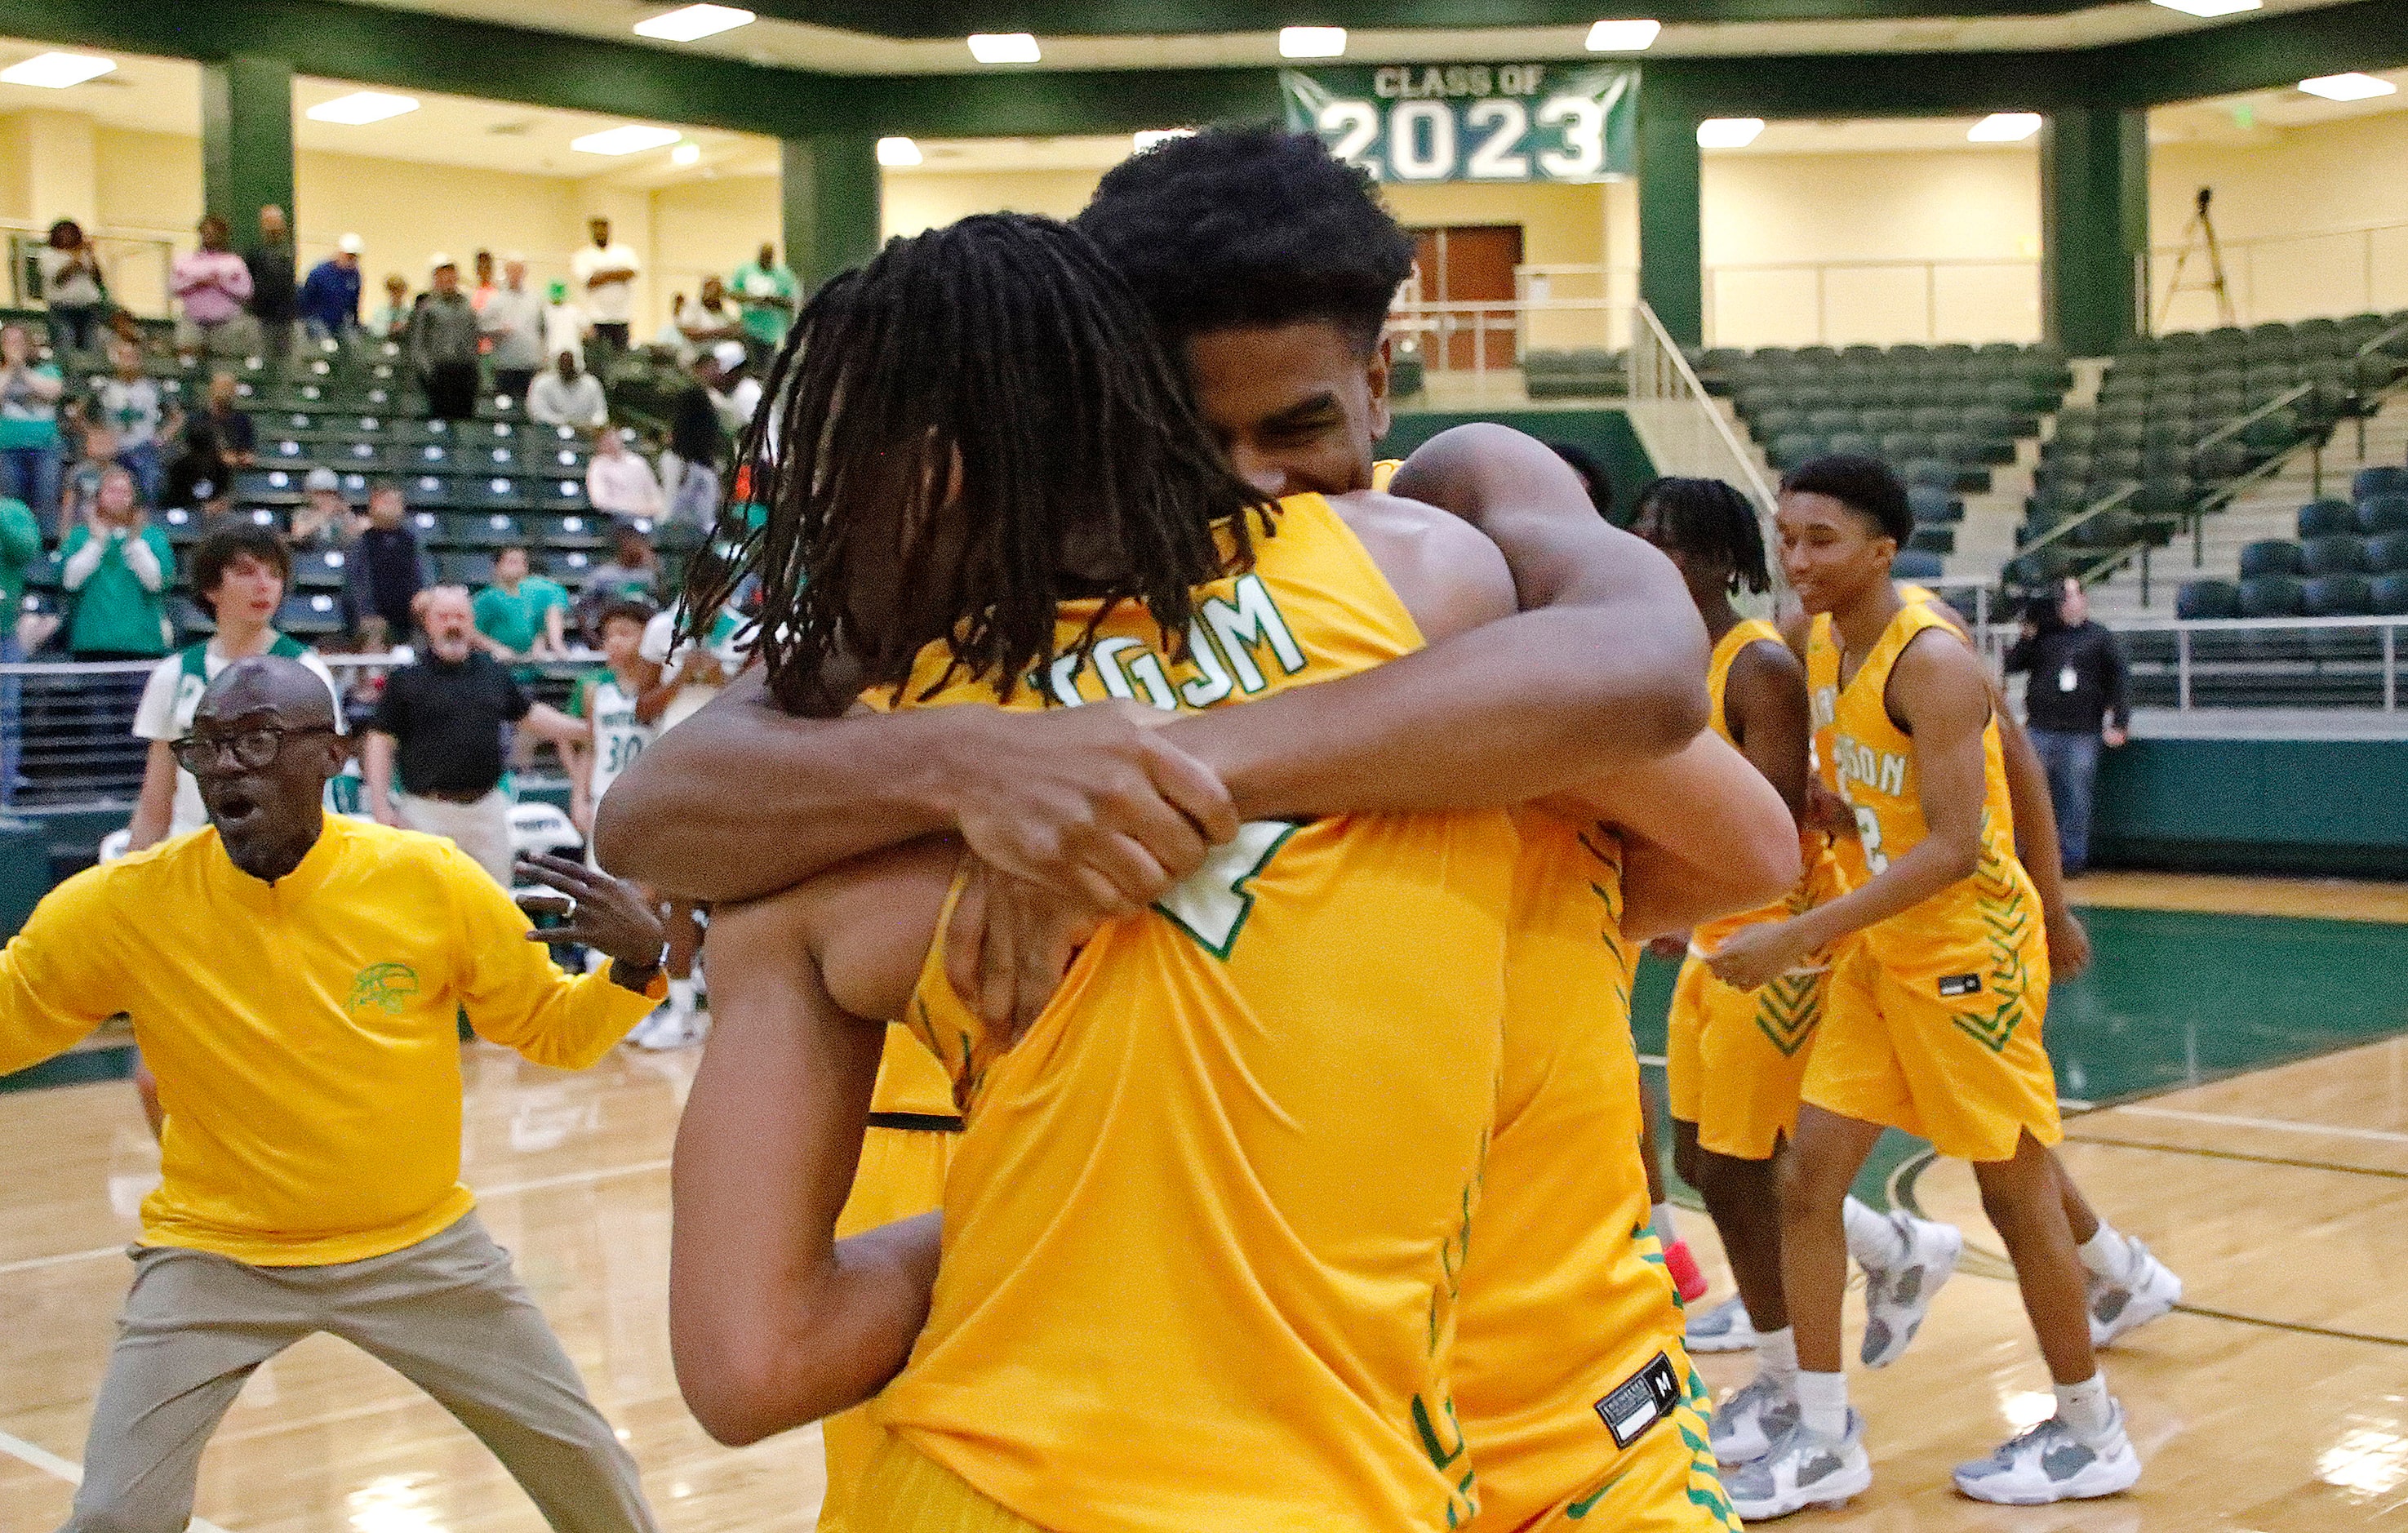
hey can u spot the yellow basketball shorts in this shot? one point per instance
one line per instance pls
(903, 1490)
(1735, 1059)
(1664, 1482)
(1955, 1059)
(901, 1176)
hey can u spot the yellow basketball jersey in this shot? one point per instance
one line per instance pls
(1874, 760)
(910, 1079)
(1204, 1228)
(1823, 694)
(1710, 935)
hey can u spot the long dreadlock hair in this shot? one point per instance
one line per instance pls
(997, 376)
(1708, 518)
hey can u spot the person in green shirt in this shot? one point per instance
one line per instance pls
(766, 292)
(118, 568)
(521, 615)
(21, 546)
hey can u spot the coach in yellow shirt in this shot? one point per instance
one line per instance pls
(294, 981)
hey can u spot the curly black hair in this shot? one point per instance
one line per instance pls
(994, 376)
(1867, 486)
(1250, 226)
(1710, 519)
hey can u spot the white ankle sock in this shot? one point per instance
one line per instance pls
(2087, 1408)
(1872, 1240)
(682, 997)
(1776, 1358)
(2107, 1254)
(1666, 1232)
(1823, 1403)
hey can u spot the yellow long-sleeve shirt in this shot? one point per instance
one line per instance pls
(303, 1032)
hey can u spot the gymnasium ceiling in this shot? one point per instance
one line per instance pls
(927, 36)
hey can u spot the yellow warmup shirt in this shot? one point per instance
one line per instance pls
(1203, 1229)
(1575, 1394)
(303, 1032)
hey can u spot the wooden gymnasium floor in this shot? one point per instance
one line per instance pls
(2242, 1083)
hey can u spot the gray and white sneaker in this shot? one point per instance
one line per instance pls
(1746, 1426)
(1803, 1470)
(1726, 1327)
(2049, 1463)
(1897, 1297)
(2118, 1308)
(668, 1028)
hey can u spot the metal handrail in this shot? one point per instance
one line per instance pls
(2183, 628)
(1691, 389)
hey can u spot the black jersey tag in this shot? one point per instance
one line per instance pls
(1639, 1401)
(1954, 985)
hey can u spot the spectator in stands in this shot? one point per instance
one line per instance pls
(564, 325)
(73, 290)
(512, 323)
(330, 295)
(30, 445)
(385, 572)
(391, 322)
(566, 397)
(239, 574)
(323, 520)
(200, 479)
(2076, 700)
(633, 574)
(213, 284)
(482, 292)
(275, 283)
(605, 273)
(441, 716)
(766, 291)
(522, 615)
(710, 319)
(238, 437)
(443, 345)
(119, 567)
(79, 486)
(21, 546)
(129, 404)
(619, 483)
(734, 389)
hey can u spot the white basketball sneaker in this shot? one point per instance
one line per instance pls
(2119, 1309)
(2049, 1463)
(1726, 1327)
(1896, 1297)
(1746, 1426)
(1802, 1470)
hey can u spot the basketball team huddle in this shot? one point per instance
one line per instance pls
(1176, 888)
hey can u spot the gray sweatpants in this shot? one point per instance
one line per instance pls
(445, 1314)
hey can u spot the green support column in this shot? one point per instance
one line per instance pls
(1672, 235)
(829, 194)
(2094, 192)
(246, 143)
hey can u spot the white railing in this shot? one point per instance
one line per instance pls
(2375, 672)
(2297, 274)
(1873, 302)
(1683, 430)
(133, 261)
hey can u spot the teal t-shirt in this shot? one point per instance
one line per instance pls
(113, 612)
(26, 418)
(765, 323)
(21, 546)
(517, 621)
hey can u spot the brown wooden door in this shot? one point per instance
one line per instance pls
(1472, 264)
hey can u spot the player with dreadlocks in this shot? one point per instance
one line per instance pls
(1180, 1145)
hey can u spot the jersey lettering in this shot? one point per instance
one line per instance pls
(1221, 654)
(1212, 904)
(1251, 622)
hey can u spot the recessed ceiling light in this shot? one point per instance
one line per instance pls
(362, 106)
(2210, 8)
(898, 152)
(2003, 128)
(1004, 46)
(1623, 37)
(1728, 132)
(2350, 87)
(1145, 138)
(685, 154)
(685, 25)
(631, 139)
(1312, 42)
(57, 71)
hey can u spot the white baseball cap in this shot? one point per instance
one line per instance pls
(729, 354)
(438, 261)
(349, 245)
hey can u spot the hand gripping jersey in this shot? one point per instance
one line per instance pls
(1204, 1227)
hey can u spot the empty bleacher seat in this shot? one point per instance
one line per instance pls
(319, 569)
(2379, 513)
(465, 569)
(2382, 479)
(491, 531)
(2324, 518)
(2337, 596)
(2336, 556)
(2388, 595)
(2199, 599)
(2386, 554)
(2271, 596)
(310, 613)
(1934, 506)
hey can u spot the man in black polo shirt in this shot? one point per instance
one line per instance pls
(2079, 700)
(445, 717)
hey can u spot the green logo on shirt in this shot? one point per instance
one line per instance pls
(385, 986)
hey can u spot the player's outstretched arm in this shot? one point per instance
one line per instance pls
(1706, 836)
(772, 1321)
(55, 978)
(1942, 695)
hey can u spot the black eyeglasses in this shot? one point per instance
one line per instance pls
(252, 748)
